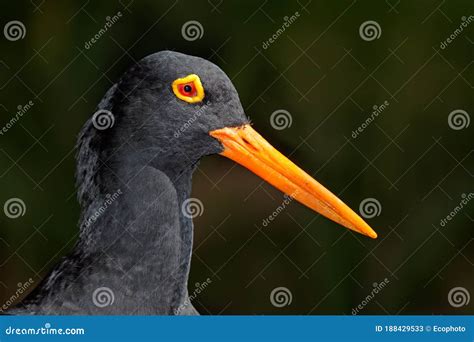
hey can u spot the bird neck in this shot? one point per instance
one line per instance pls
(135, 236)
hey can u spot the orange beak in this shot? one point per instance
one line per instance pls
(248, 148)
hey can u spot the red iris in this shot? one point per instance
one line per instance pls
(187, 89)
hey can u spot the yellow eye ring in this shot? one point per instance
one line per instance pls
(189, 89)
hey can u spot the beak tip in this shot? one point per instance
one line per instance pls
(372, 234)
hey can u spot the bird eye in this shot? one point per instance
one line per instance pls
(189, 89)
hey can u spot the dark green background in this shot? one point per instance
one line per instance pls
(328, 78)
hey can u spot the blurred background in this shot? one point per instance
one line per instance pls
(374, 99)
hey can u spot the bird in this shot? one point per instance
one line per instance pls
(135, 161)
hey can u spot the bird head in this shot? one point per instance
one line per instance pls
(185, 107)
